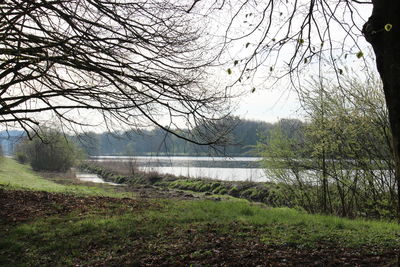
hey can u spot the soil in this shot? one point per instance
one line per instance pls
(194, 247)
(19, 205)
(149, 191)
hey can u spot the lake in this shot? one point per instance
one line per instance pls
(219, 168)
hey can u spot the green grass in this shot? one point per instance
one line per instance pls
(62, 239)
(113, 235)
(21, 176)
(14, 175)
(284, 225)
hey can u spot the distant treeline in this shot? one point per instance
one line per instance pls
(242, 140)
(158, 142)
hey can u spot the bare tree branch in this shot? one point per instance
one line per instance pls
(135, 62)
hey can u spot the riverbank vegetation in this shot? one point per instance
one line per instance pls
(274, 194)
(271, 194)
(341, 162)
(62, 228)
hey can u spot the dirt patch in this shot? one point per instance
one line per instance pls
(23, 205)
(150, 191)
(209, 247)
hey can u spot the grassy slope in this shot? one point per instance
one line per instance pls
(18, 176)
(172, 231)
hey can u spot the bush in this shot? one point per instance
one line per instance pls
(234, 192)
(153, 177)
(51, 152)
(215, 185)
(121, 179)
(21, 157)
(247, 193)
(217, 190)
(197, 186)
(205, 187)
(223, 191)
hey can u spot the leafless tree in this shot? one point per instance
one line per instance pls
(134, 63)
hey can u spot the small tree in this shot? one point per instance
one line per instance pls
(20, 153)
(51, 152)
(283, 151)
(344, 163)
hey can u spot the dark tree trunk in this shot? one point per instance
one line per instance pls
(386, 44)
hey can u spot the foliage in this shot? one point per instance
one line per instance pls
(21, 157)
(52, 151)
(341, 161)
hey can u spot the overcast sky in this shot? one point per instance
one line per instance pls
(269, 105)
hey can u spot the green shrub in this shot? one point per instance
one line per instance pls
(246, 185)
(215, 185)
(205, 188)
(21, 157)
(247, 193)
(234, 191)
(218, 189)
(223, 191)
(184, 185)
(257, 194)
(49, 152)
(153, 177)
(197, 186)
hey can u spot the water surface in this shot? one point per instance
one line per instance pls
(219, 168)
(91, 177)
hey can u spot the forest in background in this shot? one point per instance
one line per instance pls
(241, 141)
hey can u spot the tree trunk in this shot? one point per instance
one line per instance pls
(382, 31)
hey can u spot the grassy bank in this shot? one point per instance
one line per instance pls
(300, 196)
(97, 230)
(14, 175)
(271, 194)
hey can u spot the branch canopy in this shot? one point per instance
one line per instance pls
(132, 62)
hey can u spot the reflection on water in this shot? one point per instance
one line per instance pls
(90, 177)
(219, 168)
(225, 174)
